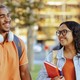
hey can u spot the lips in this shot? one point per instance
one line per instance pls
(61, 39)
(6, 24)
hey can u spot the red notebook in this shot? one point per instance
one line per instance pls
(52, 70)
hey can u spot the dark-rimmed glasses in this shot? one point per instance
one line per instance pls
(63, 32)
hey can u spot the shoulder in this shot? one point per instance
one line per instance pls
(21, 42)
(51, 55)
(54, 54)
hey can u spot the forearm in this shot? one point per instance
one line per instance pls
(24, 72)
(26, 76)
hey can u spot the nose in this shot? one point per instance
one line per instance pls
(60, 34)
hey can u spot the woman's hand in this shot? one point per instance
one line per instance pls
(58, 78)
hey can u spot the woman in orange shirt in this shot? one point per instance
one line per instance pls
(68, 56)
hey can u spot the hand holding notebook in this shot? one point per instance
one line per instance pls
(52, 70)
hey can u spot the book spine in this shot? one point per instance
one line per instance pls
(61, 73)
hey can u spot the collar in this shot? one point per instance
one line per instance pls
(78, 55)
(60, 53)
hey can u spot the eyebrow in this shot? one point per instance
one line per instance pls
(4, 14)
(63, 29)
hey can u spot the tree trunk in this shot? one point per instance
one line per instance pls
(30, 42)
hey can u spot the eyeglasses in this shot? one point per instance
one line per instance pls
(63, 32)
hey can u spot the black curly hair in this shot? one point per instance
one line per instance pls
(3, 6)
(75, 28)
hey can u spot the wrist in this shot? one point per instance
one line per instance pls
(51, 79)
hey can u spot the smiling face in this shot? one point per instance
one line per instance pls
(5, 20)
(65, 35)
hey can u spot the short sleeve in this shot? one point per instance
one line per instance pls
(24, 58)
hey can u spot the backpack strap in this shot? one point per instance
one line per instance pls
(18, 45)
(55, 57)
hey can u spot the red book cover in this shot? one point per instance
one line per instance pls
(52, 70)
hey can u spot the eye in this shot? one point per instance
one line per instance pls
(64, 31)
(2, 15)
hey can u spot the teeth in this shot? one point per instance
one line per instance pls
(7, 24)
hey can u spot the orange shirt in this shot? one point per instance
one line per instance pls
(69, 70)
(9, 61)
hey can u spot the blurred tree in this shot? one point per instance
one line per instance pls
(23, 11)
(22, 14)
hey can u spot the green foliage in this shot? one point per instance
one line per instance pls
(23, 11)
(35, 72)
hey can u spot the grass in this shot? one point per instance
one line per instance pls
(35, 71)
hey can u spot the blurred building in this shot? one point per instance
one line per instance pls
(53, 13)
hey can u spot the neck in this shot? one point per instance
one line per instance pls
(4, 35)
(69, 52)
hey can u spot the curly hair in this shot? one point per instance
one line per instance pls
(75, 28)
(3, 6)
